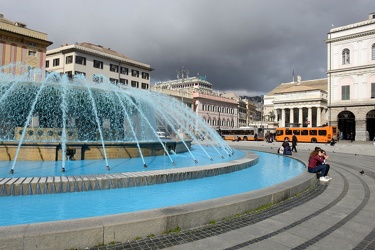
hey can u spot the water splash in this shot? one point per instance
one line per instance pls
(38, 108)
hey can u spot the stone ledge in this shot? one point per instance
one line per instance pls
(64, 184)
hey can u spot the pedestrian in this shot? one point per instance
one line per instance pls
(294, 143)
(316, 164)
(255, 137)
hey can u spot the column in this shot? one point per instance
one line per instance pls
(300, 116)
(291, 116)
(282, 118)
(318, 116)
(309, 116)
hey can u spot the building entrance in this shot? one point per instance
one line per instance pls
(346, 125)
(370, 124)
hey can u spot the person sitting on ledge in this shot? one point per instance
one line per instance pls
(316, 164)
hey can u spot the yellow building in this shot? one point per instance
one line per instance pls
(20, 44)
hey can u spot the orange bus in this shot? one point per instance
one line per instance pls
(316, 134)
(242, 134)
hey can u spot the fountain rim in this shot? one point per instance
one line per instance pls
(15, 186)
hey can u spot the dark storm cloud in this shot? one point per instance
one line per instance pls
(243, 46)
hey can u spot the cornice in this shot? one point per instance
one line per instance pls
(352, 36)
(356, 68)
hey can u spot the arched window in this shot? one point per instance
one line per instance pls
(346, 56)
(373, 51)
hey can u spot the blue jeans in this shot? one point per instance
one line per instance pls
(321, 168)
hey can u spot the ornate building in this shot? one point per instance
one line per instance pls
(351, 79)
(18, 44)
(217, 109)
(297, 104)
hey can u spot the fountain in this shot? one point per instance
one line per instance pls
(50, 117)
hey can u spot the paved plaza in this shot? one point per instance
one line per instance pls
(339, 214)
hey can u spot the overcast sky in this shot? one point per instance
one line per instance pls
(245, 46)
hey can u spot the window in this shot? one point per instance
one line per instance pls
(373, 90)
(288, 132)
(69, 59)
(97, 78)
(47, 64)
(279, 132)
(134, 84)
(313, 132)
(69, 74)
(32, 53)
(113, 68)
(113, 80)
(56, 62)
(124, 81)
(145, 75)
(135, 73)
(80, 73)
(345, 92)
(304, 132)
(98, 64)
(124, 71)
(322, 132)
(373, 51)
(297, 132)
(81, 60)
(346, 56)
(144, 85)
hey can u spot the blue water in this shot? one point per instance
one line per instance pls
(270, 170)
(89, 167)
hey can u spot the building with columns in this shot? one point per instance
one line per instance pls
(351, 79)
(297, 104)
(19, 44)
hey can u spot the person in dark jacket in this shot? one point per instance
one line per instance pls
(294, 143)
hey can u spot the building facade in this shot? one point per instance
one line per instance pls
(297, 104)
(18, 44)
(213, 107)
(95, 61)
(351, 79)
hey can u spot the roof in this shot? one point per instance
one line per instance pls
(100, 48)
(4, 20)
(100, 51)
(310, 85)
(21, 29)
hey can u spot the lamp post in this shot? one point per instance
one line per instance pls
(219, 121)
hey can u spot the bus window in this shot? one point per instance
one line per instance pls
(322, 132)
(304, 132)
(279, 132)
(297, 132)
(313, 132)
(288, 132)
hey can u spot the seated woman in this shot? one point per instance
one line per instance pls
(286, 145)
(316, 165)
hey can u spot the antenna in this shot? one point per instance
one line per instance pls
(182, 73)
